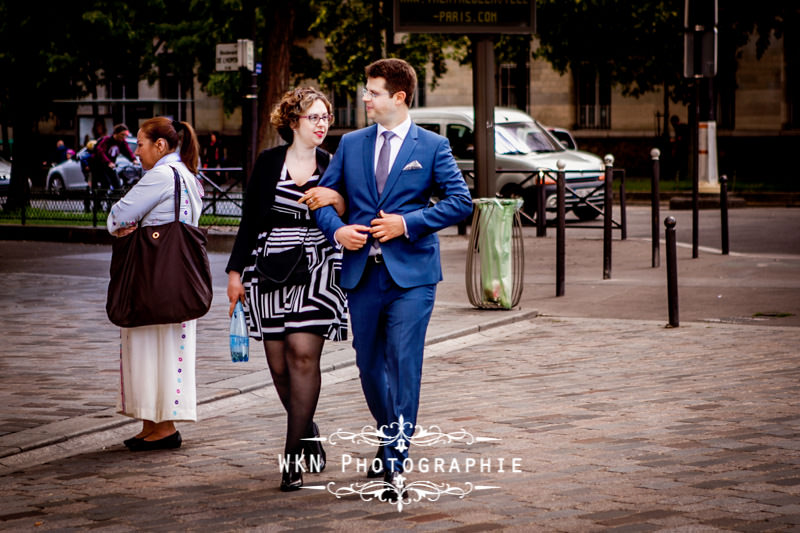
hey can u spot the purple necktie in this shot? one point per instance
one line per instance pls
(382, 170)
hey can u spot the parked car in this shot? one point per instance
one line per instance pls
(521, 144)
(68, 175)
(5, 176)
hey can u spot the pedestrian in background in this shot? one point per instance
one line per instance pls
(680, 148)
(85, 159)
(295, 319)
(106, 151)
(214, 156)
(157, 364)
(60, 153)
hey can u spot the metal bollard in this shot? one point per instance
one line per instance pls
(672, 272)
(608, 209)
(560, 229)
(541, 212)
(723, 211)
(655, 194)
(623, 209)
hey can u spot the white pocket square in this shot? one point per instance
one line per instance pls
(414, 165)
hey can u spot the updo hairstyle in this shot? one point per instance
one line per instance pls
(176, 134)
(292, 106)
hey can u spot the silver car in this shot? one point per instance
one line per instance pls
(68, 175)
(522, 147)
(5, 176)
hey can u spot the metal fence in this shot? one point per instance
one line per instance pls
(222, 203)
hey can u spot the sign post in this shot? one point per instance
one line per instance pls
(700, 63)
(481, 21)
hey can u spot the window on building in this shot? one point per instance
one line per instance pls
(123, 89)
(725, 83)
(726, 101)
(173, 87)
(594, 98)
(344, 109)
(513, 86)
(791, 43)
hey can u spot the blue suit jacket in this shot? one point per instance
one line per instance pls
(424, 168)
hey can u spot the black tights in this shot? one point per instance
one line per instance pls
(294, 365)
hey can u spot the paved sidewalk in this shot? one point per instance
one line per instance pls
(686, 429)
(61, 378)
(620, 423)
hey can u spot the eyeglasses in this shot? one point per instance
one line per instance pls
(366, 93)
(314, 119)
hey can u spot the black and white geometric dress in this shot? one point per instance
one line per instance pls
(319, 307)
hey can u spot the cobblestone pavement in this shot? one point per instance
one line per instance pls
(61, 377)
(616, 422)
(616, 425)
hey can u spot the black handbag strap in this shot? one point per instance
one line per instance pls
(177, 193)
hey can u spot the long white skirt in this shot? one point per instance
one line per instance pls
(157, 380)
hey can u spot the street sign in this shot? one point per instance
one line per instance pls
(233, 56)
(437, 16)
(700, 54)
(227, 57)
(245, 54)
(700, 38)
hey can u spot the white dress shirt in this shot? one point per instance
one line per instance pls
(395, 143)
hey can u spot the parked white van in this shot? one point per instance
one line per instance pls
(522, 146)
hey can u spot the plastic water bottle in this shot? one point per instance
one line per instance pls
(240, 342)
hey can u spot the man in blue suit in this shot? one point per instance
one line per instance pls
(388, 173)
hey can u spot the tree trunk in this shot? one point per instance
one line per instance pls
(275, 68)
(24, 164)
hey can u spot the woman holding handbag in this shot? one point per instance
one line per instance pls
(157, 363)
(287, 274)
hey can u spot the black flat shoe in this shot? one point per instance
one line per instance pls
(373, 471)
(170, 442)
(292, 479)
(313, 449)
(396, 487)
(131, 441)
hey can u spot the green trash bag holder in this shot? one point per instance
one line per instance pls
(496, 255)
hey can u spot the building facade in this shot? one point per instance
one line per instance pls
(757, 110)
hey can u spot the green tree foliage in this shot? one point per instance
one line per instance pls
(636, 43)
(639, 45)
(66, 51)
(61, 52)
(358, 32)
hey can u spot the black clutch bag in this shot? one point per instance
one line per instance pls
(284, 268)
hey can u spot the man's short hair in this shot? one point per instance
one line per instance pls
(399, 76)
(119, 128)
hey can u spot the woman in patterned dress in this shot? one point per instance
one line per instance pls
(157, 362)
(293, 321)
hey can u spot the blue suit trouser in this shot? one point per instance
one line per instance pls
(389, 325)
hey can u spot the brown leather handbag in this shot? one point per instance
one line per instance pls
(160, 274)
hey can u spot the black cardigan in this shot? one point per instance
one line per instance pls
(258, 200)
